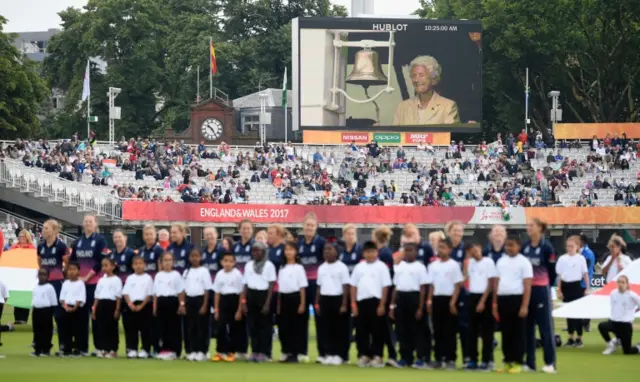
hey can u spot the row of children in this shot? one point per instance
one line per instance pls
(350, 292)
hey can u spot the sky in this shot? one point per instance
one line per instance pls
(40, 15)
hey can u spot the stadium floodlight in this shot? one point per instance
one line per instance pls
(114, 112)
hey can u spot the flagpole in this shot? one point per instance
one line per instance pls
(210, 70)
(526, 102)
(88, 115)
(198, 86)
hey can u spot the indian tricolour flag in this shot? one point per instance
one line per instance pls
(19, 273)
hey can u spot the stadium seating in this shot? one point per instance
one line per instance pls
(99, 198)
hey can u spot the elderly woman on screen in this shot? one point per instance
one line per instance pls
(426, 107)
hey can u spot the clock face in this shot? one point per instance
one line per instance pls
(211, 129)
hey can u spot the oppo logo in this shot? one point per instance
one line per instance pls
(387, 138)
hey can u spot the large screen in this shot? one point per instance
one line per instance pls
(364, 74)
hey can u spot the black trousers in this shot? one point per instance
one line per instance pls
(291, 324)
(42, 329)
(169, 323)
(410, 330)
(196, 326)
(73, 324)
(21, 314)
(138, 327)
(481, 325)
(106, 326)
(311, 291)
(1, 309)
(622, 330)
(445, 326)
(572, 291)
(260, 325)
(512, 326)
(370, 329)
(231, 334)
(389, 335)
(86, 320)
(58, 314)
(334, 327)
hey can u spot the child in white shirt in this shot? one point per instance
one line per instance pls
(370, 282)
(511, 302)
(197, 286)
(137, 319)
(168, 306)
(291, 306)
(73, 296)
(43, 303)
(442, 304)
(106, 310)
(228, 288)
(624, 304)
(571, 269)
(331, 304)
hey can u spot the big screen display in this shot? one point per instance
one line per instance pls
(409, 75)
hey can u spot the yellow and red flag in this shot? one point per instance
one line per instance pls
(212, 53)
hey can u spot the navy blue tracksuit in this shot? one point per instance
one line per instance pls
(458, 254)
(386, 256)
(242, 252)
(151, 257)
(543, 259)
(350, 258)
(89, 251)
(180, 254)
(276, 256)
(311, 256)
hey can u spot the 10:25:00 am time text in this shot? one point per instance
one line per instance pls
(441, 28)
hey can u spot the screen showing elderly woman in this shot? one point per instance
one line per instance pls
(426, 107)
(388, 75)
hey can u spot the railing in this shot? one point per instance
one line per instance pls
(22, 221)
(72, 194)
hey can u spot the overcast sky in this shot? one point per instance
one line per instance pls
(40, 15)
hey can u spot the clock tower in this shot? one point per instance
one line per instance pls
(211, 121)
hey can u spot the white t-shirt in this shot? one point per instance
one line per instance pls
(445, 275)
(168, 284)
(228, 282)
(409, 277)
(72, 292)
(138, 287)
(571, 268)
(43, 296)
(480, 271)
(109, 288)
(259, 281)
(511, 273)
(4, 293)
(197, 281)
(292, 278)
(370, 279)
(624, 306)
(613, 270)
(332, 278)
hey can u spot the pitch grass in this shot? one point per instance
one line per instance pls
(575, 365)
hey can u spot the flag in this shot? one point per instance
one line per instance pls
(212, 53)
(19, 273)
(86, 88)
(284, 89)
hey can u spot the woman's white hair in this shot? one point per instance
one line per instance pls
(430, 63)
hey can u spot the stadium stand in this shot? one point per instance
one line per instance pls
(98, 176)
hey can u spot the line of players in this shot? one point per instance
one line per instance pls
(448, 294)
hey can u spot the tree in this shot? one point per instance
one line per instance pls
(21, 90)
(587, 50)
(153, 50)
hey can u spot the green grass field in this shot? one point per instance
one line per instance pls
(575, 365)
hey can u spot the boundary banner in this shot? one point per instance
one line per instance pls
(294, 214)
(600, 130)
(320, 137)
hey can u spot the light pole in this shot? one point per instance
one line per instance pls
(556, 112)
(114, 113)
